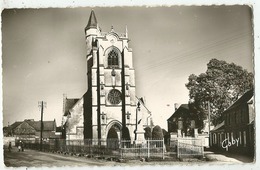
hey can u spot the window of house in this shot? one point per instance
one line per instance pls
(244, 134)
(112, 59)
(180, 124)
(192, 123)
(214, 138)
(218, 140)
(223, 137)
(240, 137)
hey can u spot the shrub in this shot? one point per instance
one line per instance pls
(157, 133)
(148, 133)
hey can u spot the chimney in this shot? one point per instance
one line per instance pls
(176, 106)
(64, 103)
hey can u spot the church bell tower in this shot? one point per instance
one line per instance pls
(109, 103)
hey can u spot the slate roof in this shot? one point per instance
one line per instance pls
(183, 107)
(68, 105)
(243, 99)
(15, 124)
(92, 22)
(47, 125)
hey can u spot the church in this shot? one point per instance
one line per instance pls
(110, 108)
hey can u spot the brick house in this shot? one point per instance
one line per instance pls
(182, 119)
(238, 125)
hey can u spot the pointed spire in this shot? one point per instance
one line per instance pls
(92, 22)
(112, 29)
(126, 32)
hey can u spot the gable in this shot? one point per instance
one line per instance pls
(14, 125)
(182, 111)
(69, 103)
(76, 115)
(24, 129)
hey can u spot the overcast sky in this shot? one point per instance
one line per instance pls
(44, 53)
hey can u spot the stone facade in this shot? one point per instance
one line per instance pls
(74, 126)
(108, 109)
(111, 83)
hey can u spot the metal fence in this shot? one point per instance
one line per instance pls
(189, 147)
(150, 148)
(143, 149)
(109, 147)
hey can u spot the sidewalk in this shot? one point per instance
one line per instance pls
(227, 157)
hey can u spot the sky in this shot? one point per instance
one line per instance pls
(44, 53)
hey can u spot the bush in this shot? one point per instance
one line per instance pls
(148, 133)
(157, 133)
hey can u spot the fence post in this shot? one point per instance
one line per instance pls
(121, 148)
(163, 148)
(148, 148)
(178, 156)
(202, 148)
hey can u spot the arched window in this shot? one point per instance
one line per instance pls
(112, 59)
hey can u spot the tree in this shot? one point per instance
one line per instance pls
(220, 85)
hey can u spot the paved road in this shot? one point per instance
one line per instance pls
(228, 157)
(31, 158)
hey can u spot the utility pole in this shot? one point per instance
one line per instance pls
(41, 105)
(209, 119)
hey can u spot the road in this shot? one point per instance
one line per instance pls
(228, 157)
(32, 158)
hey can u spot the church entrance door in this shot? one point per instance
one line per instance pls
(113, 137)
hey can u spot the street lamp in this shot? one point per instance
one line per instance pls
(136, 116)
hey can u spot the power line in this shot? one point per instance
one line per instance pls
(222, 43)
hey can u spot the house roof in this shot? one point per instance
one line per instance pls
(243, 99)
(15, 124)
(69, 103)
(47, 125)
(184, 108)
